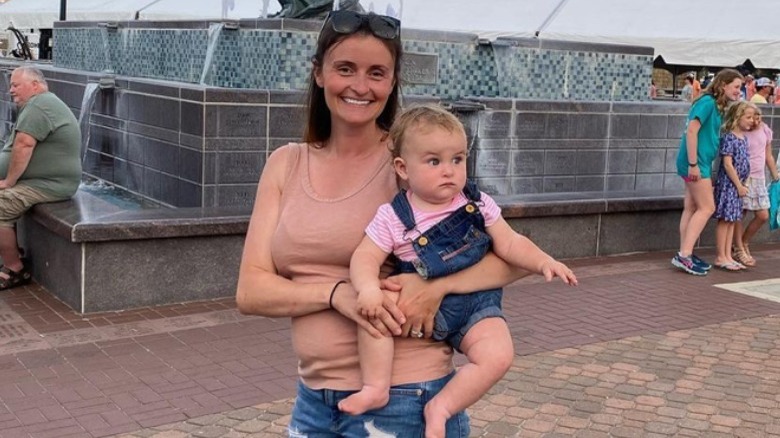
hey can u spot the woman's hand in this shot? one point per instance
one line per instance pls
(694, 174)
(387, 321)
(742, 190)
(419, 302)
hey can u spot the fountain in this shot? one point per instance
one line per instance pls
(562, 134)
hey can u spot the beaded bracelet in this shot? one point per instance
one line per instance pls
(333, 291)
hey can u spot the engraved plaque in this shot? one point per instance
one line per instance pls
(241, 121)
(491, 164)
(420, 68)
(239, 167)
(528, 163)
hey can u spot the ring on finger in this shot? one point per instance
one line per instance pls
(416, 334)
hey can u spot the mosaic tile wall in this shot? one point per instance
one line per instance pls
(280, 59)
(571, 75)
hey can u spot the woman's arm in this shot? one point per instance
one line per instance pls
(420, 299)
(692, 146)
(261, 290)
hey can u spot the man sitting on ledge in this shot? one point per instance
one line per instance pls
(40, 162)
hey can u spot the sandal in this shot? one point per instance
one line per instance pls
(14, 278)
(747, 251)
(729, 267)
(741, 256)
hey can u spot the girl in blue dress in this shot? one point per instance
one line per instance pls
(731, 185)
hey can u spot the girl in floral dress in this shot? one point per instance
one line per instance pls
(731, 186)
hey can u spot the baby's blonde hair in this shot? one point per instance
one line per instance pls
(421, 116)
(735, 112)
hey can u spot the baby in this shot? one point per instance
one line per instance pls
(441, 225)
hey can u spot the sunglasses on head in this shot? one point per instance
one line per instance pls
(348, 22)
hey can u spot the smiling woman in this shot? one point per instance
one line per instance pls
(313, 203)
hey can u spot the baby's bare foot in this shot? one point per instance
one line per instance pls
(368, 398)
(436, 417)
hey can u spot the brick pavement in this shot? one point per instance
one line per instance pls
(637, 349)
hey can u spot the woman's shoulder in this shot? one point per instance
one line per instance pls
(704, 100)
(282, 160)
(703, 108)
(285, 153)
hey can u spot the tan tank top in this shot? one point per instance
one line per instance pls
(313, 242)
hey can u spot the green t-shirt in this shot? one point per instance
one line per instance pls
(55, 165)
(707, 112)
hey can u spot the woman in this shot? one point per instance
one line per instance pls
(313, 203)
(698, 149)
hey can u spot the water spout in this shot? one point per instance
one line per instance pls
(87, 102)
(106, 46)
(107, 80)
(215, 30)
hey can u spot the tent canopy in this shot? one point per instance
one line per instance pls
(694, 32)
(41, 14)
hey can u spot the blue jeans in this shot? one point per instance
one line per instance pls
(316, 414)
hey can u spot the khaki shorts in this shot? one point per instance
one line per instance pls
(15, 201)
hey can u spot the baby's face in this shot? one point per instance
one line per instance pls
(434, 163)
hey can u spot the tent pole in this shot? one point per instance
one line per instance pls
(63, 8)
(550, 18)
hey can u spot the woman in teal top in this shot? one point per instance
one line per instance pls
(698, 149)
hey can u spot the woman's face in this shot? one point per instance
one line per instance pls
(357, 76)
(732, 89)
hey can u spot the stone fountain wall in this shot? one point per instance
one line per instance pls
(275, 55)
(189, 145)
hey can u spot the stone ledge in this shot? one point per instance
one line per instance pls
(88, 218)
(579, 203)
(80, 249)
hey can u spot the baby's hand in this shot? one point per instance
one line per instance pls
(554, 268)
(370, 303)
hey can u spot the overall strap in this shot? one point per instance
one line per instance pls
(472, 191)
(403, 210)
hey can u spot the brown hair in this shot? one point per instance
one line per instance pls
(716, 87)
(735, 112)
(318, 125)
(426, 115)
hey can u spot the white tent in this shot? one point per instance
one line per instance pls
(695, 32)
(692, 32)
(41, 14)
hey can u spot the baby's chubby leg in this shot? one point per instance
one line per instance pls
(488, 346)
(376, 366)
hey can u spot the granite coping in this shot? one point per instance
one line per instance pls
(91, 218)
(584, 203)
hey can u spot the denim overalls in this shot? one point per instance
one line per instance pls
(455, 243)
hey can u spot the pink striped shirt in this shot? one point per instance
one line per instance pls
(387, 231)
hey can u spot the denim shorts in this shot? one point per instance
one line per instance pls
(316, 414)
(458, 314)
